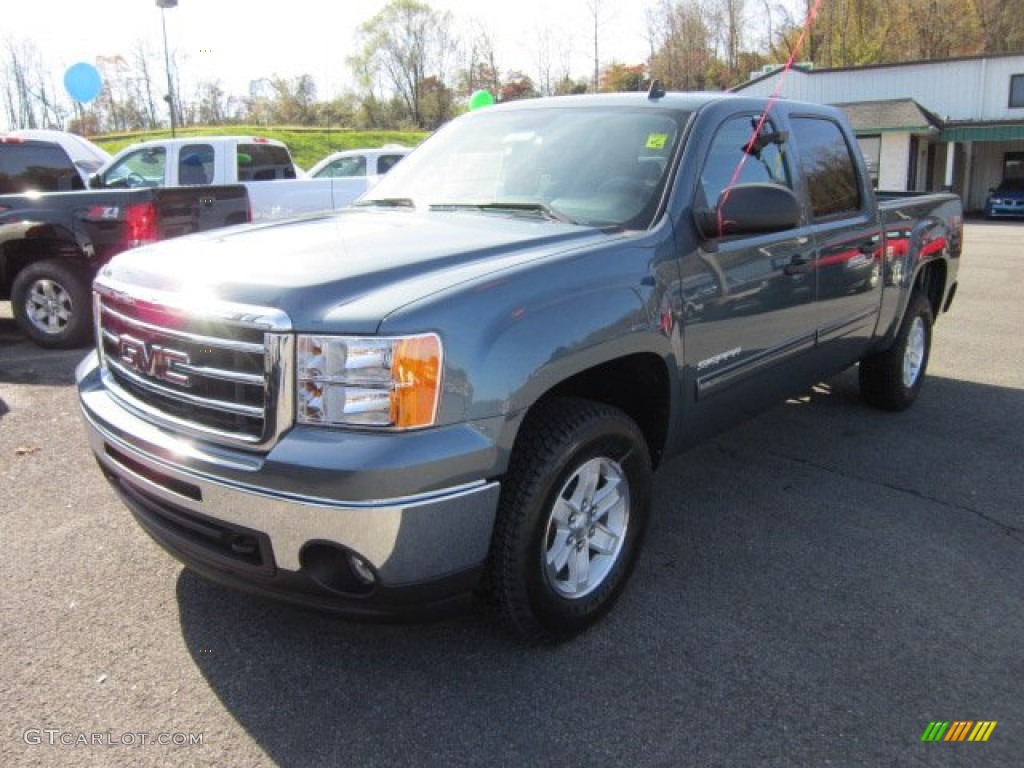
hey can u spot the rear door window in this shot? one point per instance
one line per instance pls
(32, 167)
(386, 162)
(263, 162)
(828, 167)
(195, 164)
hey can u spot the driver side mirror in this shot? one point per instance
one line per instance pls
(749, 209)
(96, 181)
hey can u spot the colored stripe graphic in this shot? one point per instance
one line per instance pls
(982, 731)
(958, 730)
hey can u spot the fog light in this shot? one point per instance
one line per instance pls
(361, 569)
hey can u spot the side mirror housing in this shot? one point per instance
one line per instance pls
(95, 181)
(750, 209)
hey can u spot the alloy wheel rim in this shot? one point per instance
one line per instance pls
(48, 306)
(913, 358)
(586, 528)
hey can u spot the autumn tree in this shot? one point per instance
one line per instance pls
(1000, 25)
(517, 86)
(402, 46)
(621, 77)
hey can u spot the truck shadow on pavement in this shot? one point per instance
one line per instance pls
(22, 362)
(809, 575)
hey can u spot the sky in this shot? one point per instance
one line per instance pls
(237, 41)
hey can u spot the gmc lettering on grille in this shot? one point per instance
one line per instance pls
(154, 360)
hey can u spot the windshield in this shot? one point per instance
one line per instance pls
(591, 166)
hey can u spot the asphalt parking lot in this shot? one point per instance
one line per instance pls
(818, 586)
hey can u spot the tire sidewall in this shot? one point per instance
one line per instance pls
(611, 438)
(919, 308)
(72, 281)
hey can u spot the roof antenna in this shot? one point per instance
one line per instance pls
(656, 91)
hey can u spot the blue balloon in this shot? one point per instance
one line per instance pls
(83, 82)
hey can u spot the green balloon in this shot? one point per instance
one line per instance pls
(480, 99)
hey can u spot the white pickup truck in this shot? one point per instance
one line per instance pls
(264, 166)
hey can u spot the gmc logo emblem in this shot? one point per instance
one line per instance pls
(154, 360)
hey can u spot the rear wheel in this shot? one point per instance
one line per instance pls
(892, 379)
(573, 510)
(50, 300)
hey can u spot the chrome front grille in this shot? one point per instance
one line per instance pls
(217, 371)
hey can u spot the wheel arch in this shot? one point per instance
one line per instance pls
(18, 254)
(930, 281)
(638, 384)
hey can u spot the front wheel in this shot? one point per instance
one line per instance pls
(50, 301)
(573, 510)
(892, 379)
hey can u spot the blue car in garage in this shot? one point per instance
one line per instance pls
(1006, 200)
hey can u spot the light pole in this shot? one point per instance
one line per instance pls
(163, 5)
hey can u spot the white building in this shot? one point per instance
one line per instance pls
(955, 124)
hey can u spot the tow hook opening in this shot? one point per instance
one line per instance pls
(337, 569)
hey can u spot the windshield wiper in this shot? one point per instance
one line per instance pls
(386, 202)
(531, 207)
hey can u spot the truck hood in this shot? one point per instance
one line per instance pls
(343, 272)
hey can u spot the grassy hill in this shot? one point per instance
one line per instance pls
(308, 145)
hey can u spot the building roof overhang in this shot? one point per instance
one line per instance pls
(890, 116)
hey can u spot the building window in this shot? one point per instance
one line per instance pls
(871, 148)
(1016, 91)
(1013, 167)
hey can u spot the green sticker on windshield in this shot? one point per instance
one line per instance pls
(656, 140)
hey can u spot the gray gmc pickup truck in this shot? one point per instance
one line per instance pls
(461, 386)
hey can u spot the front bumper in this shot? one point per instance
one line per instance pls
(287, 524)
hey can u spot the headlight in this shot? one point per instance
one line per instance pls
(368, 382)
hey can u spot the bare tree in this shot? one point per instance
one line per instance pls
(481, 60)
(544, 62)
(215, 105)
(30, 99)
(595, 8)
(731, 25)
(681, 40)
(143, 56)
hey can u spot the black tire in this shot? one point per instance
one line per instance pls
(892, 379)
(569, 453)
(51, 304)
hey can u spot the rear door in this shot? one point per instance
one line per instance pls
(846, 233)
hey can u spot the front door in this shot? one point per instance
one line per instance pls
(747, 302)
